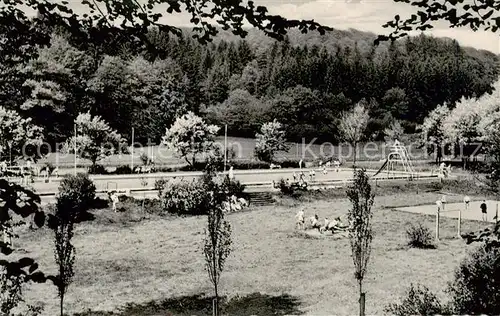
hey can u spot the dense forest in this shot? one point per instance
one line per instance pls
(305, 81)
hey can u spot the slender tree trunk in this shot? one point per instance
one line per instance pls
(214, 263)
(355, 152)
(62, 304)
(361, 299)
(216, 299)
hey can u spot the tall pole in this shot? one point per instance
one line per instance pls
(75, 148)
(132, 152)
(437, 223)
(225, 147)
(150, 147)
(459, 223)
(496, 214)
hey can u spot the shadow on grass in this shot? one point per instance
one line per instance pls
(253, 304)
(421, 245)
(425, 247)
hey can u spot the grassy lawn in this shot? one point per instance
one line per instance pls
(244, 150)
(133, 257)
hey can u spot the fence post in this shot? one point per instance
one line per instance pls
(437, 224)
(459, 222)
(496, 214)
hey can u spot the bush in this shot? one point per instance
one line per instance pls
(124, 169)
(289, 163)
(184, 198)
(419, 236)
(246, 165)
(284, 187)
(79, 189)
(198, 166)
(419, 300)
(97, 169)
(476, 286)
(292, 189)
(191, 197)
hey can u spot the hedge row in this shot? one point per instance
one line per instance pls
(237, 165)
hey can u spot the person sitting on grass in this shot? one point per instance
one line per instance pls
(314, 220)
(243, 202)
(323, 228)
(332, 225)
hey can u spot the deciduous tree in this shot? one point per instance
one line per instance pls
(270, 140)
(433, 130)
(394, 131)
(19, 138)
(95, 139)
(190, 136)
(353, 125)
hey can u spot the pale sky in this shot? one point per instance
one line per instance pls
(368, 15)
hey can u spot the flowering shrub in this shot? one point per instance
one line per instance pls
(184, 198)
(192, 197)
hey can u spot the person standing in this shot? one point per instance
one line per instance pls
(484, 210)
(467, 202)
(113, 196)
(55, 172)
(336, 163)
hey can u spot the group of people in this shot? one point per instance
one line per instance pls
(300, 178)
(483, 206)
(234, 204)
(27, 171)
(313, 222)
(145, 169)
(325, 165)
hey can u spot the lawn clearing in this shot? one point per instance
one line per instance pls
(159, 258)
(244, 150)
